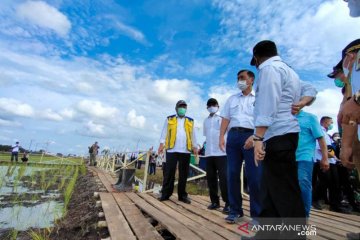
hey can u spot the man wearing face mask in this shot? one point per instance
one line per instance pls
(238, 121)
(178, 138)
(349, 114)
(341, 81)
(327, 179)
(354, 7)
(216, 165)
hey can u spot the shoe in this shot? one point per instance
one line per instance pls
(161, 199)
(233, 218)
(352, 235)
(185, 200)
(226, 209)
(355, 208)
(317, 205)
(340, 210)
(213, 206)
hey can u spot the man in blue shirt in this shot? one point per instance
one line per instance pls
(310, 131)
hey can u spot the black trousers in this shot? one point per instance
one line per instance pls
(14, 155)
(216, 168)
(169, 174)
(345, 184)
(280, 191)
(326, 180)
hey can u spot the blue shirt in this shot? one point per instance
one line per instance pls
(278, 88)
(310, 131)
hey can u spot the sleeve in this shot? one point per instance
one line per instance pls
(316, 128)
(307, 89)
(267, 96)
(163, 133)
(194, 142)
(225, 113)
(204, 131)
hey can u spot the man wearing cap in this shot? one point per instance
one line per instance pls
(238, 121)
(15, 151)
(341, 81)
(349, 115)
(216, 165)
(178, 138)
(276, 137)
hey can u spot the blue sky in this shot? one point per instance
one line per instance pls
(111, 71)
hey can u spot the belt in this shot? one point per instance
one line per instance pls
(241, 129)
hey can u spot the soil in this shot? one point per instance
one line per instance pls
(82, 216)
(80, 221)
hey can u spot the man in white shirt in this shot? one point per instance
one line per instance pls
(178, 138)
(324, 180)
(216, 165)
(238, 120)
(15, 151)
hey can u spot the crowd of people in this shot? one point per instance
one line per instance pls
(287, 151)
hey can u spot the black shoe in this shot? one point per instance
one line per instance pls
(226, 209)
(352, 235)
(214, 206)
(185, 200)
(355, 208)
(339, 209)
(161, 199)
(316, 205)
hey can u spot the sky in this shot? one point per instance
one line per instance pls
(111, 71)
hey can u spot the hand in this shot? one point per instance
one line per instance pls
(259, 153)
(161, 148)
(249, 143)
(345, 155)
(349, 113)
(222, 143)
(296, 107)
(324, 164)
(195, 151)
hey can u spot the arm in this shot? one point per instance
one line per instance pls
(162, 137)
(194, 142)
(324, 163)
(308, 96)
(224, 125)
(346, 146)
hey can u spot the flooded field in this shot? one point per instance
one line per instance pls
(34, 197)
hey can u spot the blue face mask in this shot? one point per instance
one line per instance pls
(330, 127)
(339, 83)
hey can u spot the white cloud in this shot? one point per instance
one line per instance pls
(221, 93)
(135, 120)
(96, 109)
(49, 114)
(131, 32)
(15, 107)
(7, 123)
(309, 33)
(67, 113)
(94, 129)
(43, 15)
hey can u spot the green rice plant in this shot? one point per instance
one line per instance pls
(69, 189)
(43, 234)
(13, 234)
(62, 183)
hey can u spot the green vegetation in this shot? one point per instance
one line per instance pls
(37, 158)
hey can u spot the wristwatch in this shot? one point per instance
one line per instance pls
(357, 97)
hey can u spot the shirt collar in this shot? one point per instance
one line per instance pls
(269, 61)
(251, 93)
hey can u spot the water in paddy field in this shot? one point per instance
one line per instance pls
(29, 197)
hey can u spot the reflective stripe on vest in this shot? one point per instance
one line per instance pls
(172, 129)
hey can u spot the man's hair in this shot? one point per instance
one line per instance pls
(325, 118)
(249, 73)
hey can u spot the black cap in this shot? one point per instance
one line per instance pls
(212, 102)
(336, 70)
(181, 103)
(264, 48)
(351, 47)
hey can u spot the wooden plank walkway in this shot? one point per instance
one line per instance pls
(130, 213)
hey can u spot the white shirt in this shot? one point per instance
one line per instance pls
(180, 140)
(15, 148)
(318, 154)
(239, 109)
(212, 134)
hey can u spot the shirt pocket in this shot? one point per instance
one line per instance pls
(234, 109)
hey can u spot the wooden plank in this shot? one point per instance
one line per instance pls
(336, 214)
(202, 231)
(173, 226)
(106, 182)
(198, 209)
(139, 224)
(214, 227)
(117, 224)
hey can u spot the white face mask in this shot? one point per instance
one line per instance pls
(242, 85)
(213, 109)
(354, 7)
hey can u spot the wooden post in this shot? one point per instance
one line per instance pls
(146, 170)
(125, 160)
(113, 163)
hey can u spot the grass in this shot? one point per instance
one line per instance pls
(196, 187)
(6, 156)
